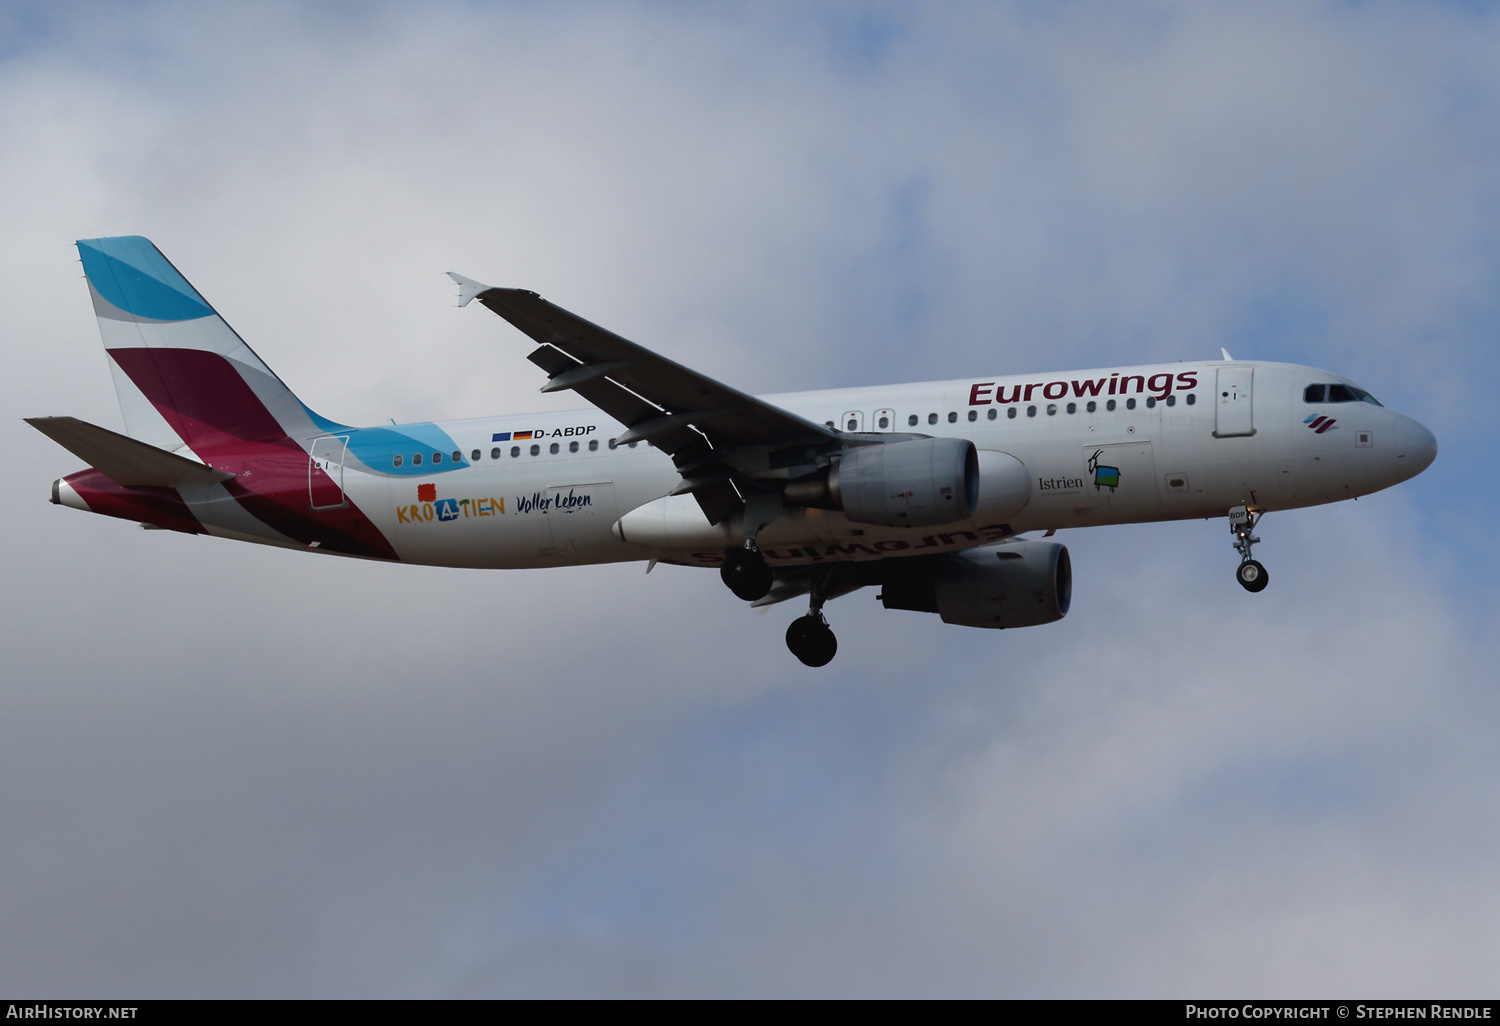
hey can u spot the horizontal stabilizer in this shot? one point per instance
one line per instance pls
(126, 461)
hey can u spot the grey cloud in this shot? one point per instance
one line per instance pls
(234, 771)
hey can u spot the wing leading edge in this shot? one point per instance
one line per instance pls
(719, 438)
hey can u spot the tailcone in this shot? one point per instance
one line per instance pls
(92, 492)
(64, 494)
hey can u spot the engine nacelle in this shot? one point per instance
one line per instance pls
(1015, 584)
(920, 483)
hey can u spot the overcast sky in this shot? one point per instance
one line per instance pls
(227, 770)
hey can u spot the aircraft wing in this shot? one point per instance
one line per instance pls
(693, 418)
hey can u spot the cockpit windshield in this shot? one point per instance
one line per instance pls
(1337, 393)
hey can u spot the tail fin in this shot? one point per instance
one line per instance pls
(181, 373)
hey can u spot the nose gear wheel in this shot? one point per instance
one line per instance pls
(1251, 575)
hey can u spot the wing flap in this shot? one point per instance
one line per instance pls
(126, 461)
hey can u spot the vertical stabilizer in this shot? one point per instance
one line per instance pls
(181, 373)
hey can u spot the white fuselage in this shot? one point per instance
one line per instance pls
(1243, 437)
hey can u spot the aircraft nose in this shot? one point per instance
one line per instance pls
(1416, 448)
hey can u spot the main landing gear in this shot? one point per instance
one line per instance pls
(746, 573)
(749, 576)
(1251, 575)
(809, 637)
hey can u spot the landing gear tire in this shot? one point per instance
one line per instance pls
(746, 574)
(1252, 576)
(811, 640)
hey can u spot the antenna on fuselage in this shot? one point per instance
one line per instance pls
(1227, 357)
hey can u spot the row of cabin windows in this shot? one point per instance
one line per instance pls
(437, 458)
(884, 423)
(993, 413)
(1337, 394)
(498, 452)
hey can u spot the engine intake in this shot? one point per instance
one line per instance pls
(1015, 584)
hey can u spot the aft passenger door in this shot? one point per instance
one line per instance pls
(325, 472)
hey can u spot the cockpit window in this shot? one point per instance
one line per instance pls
(1337, 393)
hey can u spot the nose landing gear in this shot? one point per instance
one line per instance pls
(1251, 575)
(809, 637)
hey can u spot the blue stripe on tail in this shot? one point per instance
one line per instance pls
(130, 273)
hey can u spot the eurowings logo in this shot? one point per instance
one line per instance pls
(1319, 423)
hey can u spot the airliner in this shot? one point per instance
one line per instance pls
(926, 491)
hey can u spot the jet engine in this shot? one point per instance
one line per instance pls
(1014, 584)
(917, 483)
(920, 483)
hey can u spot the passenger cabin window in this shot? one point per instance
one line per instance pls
(536, 450)
(396, 462)
(1011, 413)
(458, 457)
(911, 421)
(495, 453)
(992, 414)
(593, 445)
(572, 446)
(515, 451)
(437, 457)
(416, 460)
(553, 449)
(932, 418)
(475, 455)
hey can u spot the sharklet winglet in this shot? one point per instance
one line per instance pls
(468, 288)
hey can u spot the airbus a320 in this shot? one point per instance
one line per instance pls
(925, 491)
